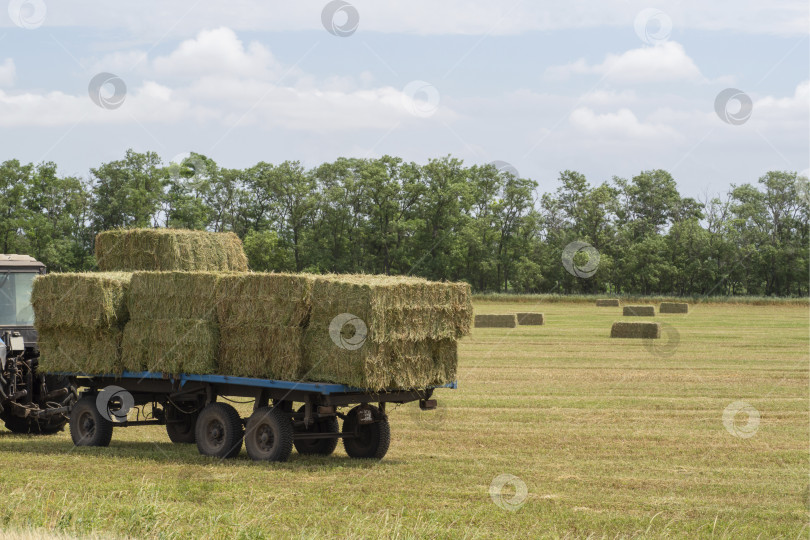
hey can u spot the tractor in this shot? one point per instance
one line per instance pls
(30, 401)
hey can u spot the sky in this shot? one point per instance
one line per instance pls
(717, 93)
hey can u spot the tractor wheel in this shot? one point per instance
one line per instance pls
(87, 426)
(372, 440)
(181, 426)
(323, 447)
(269, 435)
(219, 431)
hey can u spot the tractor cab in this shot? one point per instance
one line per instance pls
(17, 273)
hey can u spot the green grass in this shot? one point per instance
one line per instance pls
(610, 439)
(641, 299)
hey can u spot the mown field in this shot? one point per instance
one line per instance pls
(611, 438)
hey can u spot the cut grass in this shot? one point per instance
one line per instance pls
(611, 441)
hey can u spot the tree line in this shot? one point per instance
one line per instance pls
(442, 220)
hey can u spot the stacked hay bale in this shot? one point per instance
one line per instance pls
(169, 249)
(496, 321)
(80, 319)
(262, 319)
(378, 332)
(172, 327)
(673, 307)
(638, 311)
(530, 319)
(642, 330)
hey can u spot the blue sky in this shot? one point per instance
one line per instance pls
(605, 88)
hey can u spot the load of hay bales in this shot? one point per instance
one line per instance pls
(530, 319)
(496, 321)
(673, 307)
(80, 320)
(608, 303)
(642, 330)
(131, 250)
(376, 332)
(172, 327)
(638, 311)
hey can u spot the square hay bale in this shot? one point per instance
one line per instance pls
(638, 311)
(496, 321)
(78, 350)
(378, 366)
(530, 319)
(171, 346)
(263, 298)
(673, 307)
(643, 330)
(262, 351)
(169, 249)
(87, 301)
(173, 295)
(613, 302)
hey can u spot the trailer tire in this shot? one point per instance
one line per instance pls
(87, 426)
(372, 440)
(269, 435)
(181, 426)
(219, 431)
(323, 447)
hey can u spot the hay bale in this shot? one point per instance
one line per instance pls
(638, 311)
(79, 319)
(530, 319)
(673, 307)
(78, 350)
(171, 346)
(262, 351)
(91, 301)
(173, 295)
(169, 249)
(614, 302)
(496, 321)
(643, 330)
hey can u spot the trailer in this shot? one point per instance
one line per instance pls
(285, 414)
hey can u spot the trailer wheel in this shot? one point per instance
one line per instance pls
(87, 426)
(181, 426)
(323, 447)
(372, 440)
(269, 435)
(219, 431)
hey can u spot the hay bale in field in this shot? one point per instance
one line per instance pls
(171, 346)
(614, 302)
(638, 311)
(643, 330)
(263, 351)
(79, 319)
(169, 249)
(80, 300)
(530, 319)
(496, 321)
(173, 295)
(673, 307)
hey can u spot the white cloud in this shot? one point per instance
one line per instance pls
(622, 124)
(664, 62)
(8, 72)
